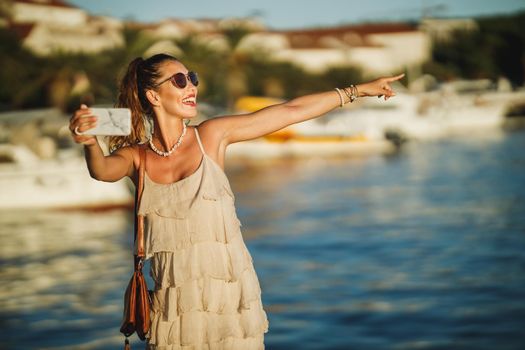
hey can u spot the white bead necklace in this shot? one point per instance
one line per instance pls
(175, 146)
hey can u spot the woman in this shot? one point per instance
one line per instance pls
(206, 289)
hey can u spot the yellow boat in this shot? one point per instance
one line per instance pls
(254, 103)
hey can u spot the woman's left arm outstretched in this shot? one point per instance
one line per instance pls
(249, 126)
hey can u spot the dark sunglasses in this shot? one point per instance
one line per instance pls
(180, 80)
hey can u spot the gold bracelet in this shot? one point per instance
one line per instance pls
(351, 92)
(354, 94)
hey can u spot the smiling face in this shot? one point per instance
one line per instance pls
(173, 100)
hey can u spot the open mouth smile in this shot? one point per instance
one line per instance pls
(190, 101)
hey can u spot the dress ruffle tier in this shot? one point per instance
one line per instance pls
(202, 309)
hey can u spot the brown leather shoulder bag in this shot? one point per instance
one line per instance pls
(137, 299)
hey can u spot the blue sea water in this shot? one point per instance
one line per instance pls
(420, 249)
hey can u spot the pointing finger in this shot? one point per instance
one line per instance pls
(395, 78)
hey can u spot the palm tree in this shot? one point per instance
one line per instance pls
(236, 64)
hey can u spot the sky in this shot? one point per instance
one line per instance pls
(289, 14)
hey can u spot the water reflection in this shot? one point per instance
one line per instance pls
(419, 250)
(63, 276)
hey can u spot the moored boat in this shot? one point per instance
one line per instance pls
(63, 182)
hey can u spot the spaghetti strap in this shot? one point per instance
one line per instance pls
(199, 141)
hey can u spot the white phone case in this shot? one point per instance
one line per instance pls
(111, 122)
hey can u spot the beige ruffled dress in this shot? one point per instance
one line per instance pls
(207, 295)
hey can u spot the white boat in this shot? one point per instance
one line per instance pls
(427, 115)
(373, 125)
(26, 181)
(308, 147)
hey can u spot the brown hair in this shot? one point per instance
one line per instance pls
(140, 76)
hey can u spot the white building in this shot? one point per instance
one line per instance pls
(47, 11)
(376, 48)
(50, 26)
(206, 32)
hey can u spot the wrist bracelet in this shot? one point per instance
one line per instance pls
(348, 94)
(354, 93)
(341, 98)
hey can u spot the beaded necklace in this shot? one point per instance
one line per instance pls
(175, 146)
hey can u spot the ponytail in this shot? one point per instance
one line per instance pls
(140, 76)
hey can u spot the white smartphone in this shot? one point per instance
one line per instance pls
(111, 122)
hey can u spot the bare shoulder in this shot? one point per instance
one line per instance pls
(217, 127)
(211, 133)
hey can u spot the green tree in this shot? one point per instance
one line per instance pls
(505, 37)
(20, 73)
(236, 63)
(496, 49)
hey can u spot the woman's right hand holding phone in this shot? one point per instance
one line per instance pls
(81, 121)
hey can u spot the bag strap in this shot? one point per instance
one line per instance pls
(139, 219)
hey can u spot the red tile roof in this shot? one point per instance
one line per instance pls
(363, 29)
(21, 30)
(55, 3)
(353, 35)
